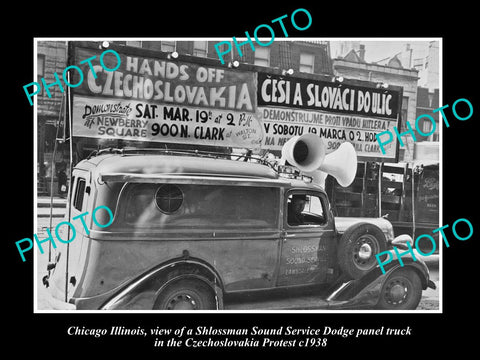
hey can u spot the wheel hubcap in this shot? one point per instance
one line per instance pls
(396, 292)
(363, 251)
(182, 302)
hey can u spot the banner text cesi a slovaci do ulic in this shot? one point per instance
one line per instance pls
(337, 112)
(151, 99)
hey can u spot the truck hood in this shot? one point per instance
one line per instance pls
(343, 223)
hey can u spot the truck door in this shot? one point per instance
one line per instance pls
(71, 256)
(307, 240)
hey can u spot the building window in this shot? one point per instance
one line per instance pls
(262, 57)
(167, 46)
(40, 71)
(200, 48)
(134, 43)
(426, 127)
(306, 63)
(404, 112)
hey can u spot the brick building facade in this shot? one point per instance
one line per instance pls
(306, 56)
(427, 148)
(354, 66)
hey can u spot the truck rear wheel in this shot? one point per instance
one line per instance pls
(358, 247)
(401, 291)
(186, 294)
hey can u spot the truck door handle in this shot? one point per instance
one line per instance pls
(286, 236)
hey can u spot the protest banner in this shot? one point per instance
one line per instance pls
(161, 100)
(336, 111)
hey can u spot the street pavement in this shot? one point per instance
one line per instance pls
(430, 297)
(429, 301)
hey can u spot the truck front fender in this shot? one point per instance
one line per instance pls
(365, 292)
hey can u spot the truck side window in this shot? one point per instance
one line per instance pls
(201, 206)
(79, 194)
(304, 209)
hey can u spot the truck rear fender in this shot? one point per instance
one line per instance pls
(155, 279)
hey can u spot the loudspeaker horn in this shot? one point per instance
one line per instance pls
(305, 152)
(341, 164)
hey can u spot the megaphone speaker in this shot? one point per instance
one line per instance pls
(341, 164)
(305, 152)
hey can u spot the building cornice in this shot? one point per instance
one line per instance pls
(384, 69)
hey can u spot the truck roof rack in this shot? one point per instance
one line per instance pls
(248, 157)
